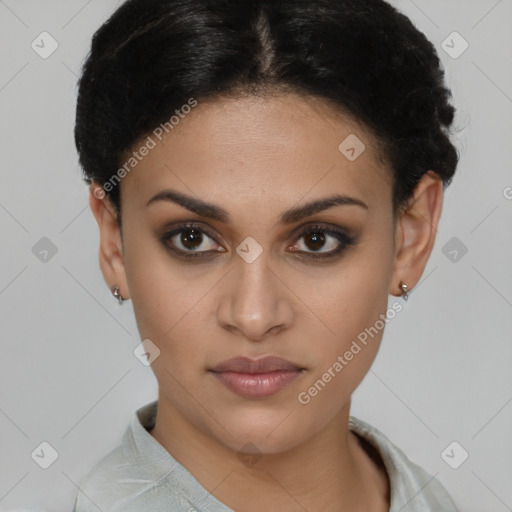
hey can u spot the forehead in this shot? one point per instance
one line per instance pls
(281, 147)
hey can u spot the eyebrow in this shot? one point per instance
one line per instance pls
(211, 211)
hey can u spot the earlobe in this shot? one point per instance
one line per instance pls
(416, 232)
(111, 255)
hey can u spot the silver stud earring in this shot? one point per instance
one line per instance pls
(405, 290)
(117, 294)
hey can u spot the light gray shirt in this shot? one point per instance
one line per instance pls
(140, 474)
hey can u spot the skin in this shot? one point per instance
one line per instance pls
(256, 157)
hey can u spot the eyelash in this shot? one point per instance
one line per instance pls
(344, 239)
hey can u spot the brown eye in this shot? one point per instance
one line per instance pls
(314, 241)
(317, 238)
(190, 240)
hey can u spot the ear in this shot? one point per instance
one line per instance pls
(111, 251)
(416, 231)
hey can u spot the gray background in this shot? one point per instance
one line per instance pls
(68, 375)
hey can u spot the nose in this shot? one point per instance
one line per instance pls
(256, 302)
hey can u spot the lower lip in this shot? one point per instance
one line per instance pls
(259, 385)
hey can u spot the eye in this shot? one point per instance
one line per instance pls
(335, 240)
(190, 240)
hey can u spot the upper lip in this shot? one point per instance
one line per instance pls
(263, 365)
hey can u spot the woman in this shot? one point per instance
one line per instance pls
(264, 175)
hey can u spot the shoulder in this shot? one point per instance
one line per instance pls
(137, 474)
(118, 484)
(96, 489)
(412, 488)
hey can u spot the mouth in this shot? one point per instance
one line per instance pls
(256, 379)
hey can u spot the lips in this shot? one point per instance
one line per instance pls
(256, 379)
(264, 365)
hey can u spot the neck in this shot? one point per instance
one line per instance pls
(330, 472)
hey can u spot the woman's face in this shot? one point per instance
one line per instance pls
(253, 283)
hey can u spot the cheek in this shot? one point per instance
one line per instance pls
(162, 292)
(352, 307)
(170, 303)
(343, 360)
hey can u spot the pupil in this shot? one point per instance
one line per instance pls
(194, 237)
(318, 241)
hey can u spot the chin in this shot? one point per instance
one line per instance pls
(262, 432)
